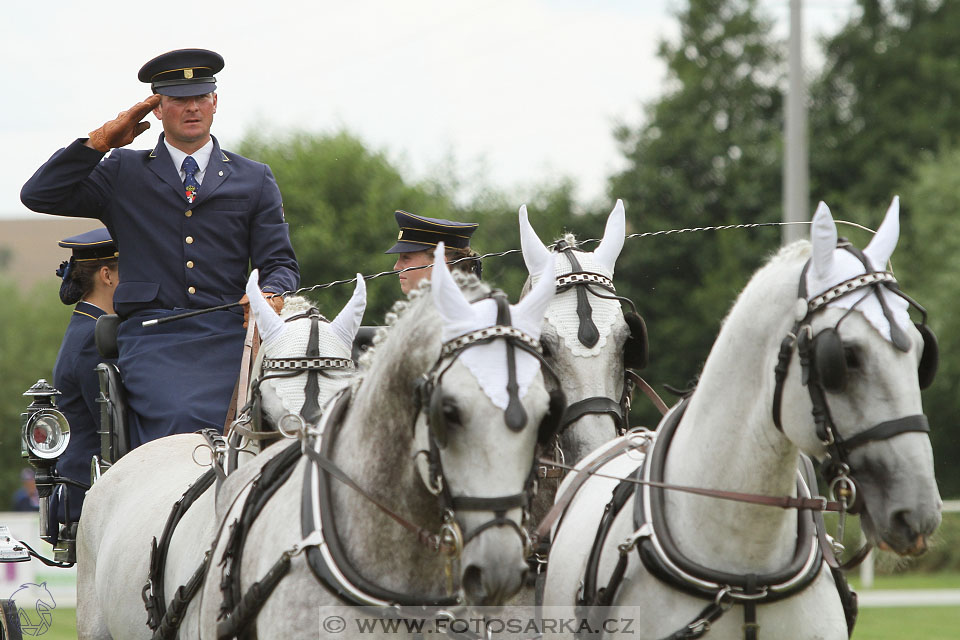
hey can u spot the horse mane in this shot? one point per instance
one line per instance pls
(292, 305)
(415, 326)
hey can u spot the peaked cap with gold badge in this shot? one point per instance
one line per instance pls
(183, 72)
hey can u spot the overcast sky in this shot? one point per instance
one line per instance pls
(517, 91)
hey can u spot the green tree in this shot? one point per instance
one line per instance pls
(708, 154)
(31, 328)
(884, 121)
(887, 97)
(928, 269)
(339, 197)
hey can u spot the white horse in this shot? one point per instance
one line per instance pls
(863, 365)
(319, 542)
(586, 336)
(129, 505)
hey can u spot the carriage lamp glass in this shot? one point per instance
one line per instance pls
(46, 434)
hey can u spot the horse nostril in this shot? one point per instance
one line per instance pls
(472, 584)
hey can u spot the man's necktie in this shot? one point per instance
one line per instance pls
(190, 184)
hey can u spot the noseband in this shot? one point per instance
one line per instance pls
(820, 355)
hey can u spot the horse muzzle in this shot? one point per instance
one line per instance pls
(490, 577)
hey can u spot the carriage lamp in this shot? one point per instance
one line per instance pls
(44, 435)
(45, 431)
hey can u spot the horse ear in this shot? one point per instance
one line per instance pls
(535, 254)
(268, 321)
(885, 241)
(347, 322)
(823, 236)
(527, 315)
(613, 235)
(449, 300)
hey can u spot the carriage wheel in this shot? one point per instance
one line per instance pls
(9, 621)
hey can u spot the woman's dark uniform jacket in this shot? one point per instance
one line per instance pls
(173, 256)
(75, 377)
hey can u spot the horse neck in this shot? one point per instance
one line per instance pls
(374, 447)
(727, 440)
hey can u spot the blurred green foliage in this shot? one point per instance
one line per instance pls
(31, 328)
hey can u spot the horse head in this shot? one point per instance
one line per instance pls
(304, 358)
(483, 404)
(585, 336)
(862, 365)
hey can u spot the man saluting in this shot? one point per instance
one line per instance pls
(190, 219)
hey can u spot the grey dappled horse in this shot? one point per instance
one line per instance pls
(475, 419)
(129, 506)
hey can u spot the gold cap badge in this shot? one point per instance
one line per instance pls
(188, 74)
(400, 235)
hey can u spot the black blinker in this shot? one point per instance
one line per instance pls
(930, 360)
(636, 351)
(830, 361)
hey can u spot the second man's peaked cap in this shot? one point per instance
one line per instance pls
(419, 233)
(183, 72)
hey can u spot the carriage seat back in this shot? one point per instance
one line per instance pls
(363, 341)
(114, 425)
(105, 335)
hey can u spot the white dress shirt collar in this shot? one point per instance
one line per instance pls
(201, 155)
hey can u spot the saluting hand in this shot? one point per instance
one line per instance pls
(127, 126)
(275, 300)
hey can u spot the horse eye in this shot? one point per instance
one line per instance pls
(451, 413)
(547, 351)
(851, 358)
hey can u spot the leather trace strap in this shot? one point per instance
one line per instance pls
(251, 344)
(152, 593)
(648, 391)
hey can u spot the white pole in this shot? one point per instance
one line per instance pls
(796, 182)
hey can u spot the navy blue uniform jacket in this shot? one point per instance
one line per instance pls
(166, 245)
(175, 255)
(75, 377)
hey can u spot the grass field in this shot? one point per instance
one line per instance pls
(895, 623)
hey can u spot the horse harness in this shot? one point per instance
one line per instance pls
(823, 359)
(311, 363)
(652, 540)
(321, 543)
(824, 371)
(165, 619)
(635, 350)
(429, 396)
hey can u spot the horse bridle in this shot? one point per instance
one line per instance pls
(822, 359)
(583, 282)
(312, 363)
(428, 396)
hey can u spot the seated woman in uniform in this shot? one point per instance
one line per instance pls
(89, 279)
